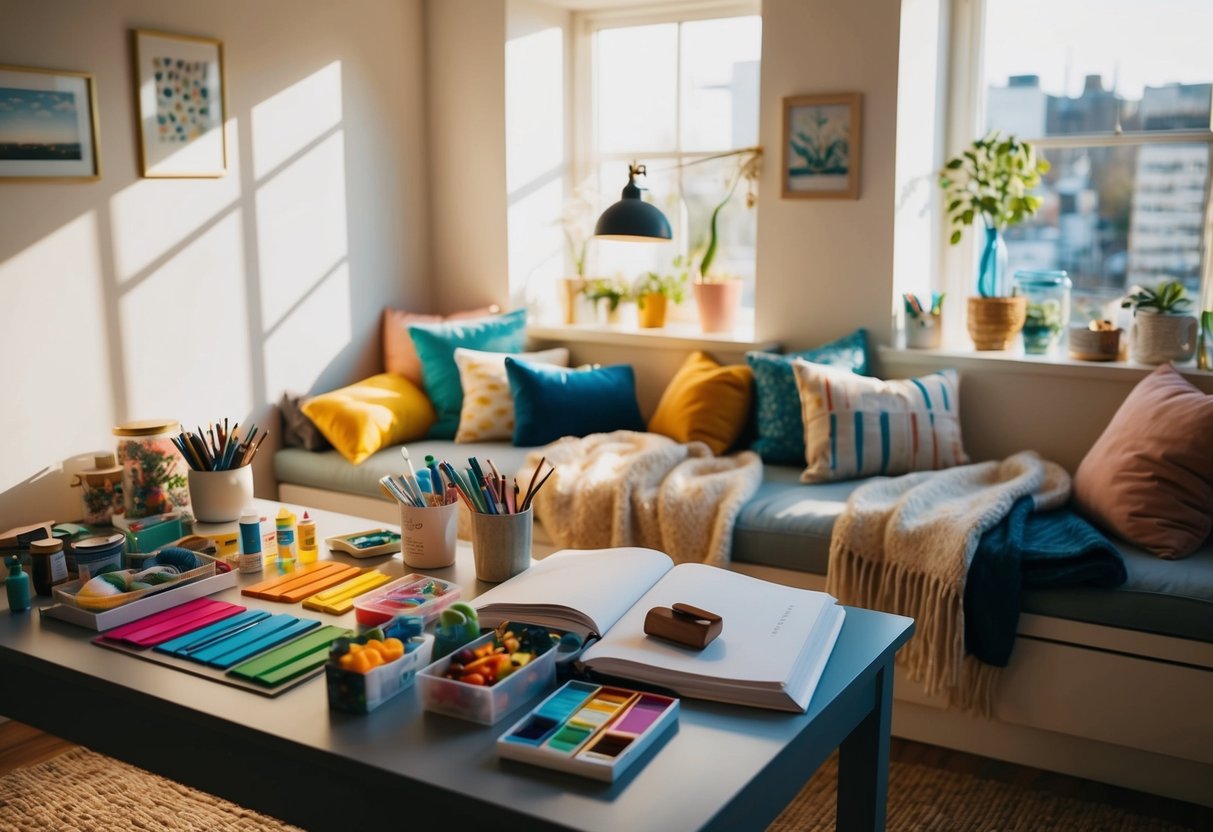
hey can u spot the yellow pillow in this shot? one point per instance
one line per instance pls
(705, 401)
(375, 413)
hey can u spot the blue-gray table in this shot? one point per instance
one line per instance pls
(726, 767)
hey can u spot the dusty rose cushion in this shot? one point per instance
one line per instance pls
(1149, 477)
(399, 354)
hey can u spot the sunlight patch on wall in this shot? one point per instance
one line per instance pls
(534, 106)
(301, 227)
(289, 121)
(154, 216)
(536, 251)
(317, 330)
(41, 422)
(186, 330)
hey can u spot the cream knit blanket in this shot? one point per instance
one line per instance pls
(904, 545)
(640, 489)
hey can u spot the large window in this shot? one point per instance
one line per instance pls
(670, 93)
(1116, 94)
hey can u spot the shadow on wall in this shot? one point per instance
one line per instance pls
(192, 299)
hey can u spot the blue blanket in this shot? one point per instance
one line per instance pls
(1029, 550)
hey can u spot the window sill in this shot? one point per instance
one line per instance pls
(1017, 361)
(671, 336)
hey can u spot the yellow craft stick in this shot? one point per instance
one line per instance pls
(340, 599)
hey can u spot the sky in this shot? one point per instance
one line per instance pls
(1138, 43)
(37, 116)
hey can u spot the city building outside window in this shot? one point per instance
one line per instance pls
(1116, 95)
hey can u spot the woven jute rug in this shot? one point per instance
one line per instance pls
(82, 790)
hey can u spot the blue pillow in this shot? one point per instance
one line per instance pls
(436, 345)
(780, 422)
(551, 402)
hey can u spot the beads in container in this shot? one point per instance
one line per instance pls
(153, 471)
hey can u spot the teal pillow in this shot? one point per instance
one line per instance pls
(551, 402)
(436, 344)
(780, 423)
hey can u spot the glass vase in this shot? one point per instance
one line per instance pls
(1048, 315)
(992, 268)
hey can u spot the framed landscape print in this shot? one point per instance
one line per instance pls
(180, 96)
(48, 124)
(821, 146)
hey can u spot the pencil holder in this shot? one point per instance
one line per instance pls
(501, 545)
(924, 332)
(427, 535)
(219, 496)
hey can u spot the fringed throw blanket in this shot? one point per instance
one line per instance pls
(904, 545)
(640, 489)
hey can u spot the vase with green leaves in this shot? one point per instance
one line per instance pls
(577, 222)
(608, 295)
(718, 295)
(1161, 330)
(654, 292)
(992, 180)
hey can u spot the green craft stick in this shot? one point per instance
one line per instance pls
(291, 659)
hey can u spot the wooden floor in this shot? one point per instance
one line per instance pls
(21, 745)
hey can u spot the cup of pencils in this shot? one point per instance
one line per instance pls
(924, 323)
(220, 474)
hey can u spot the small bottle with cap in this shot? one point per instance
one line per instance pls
(250, 542)
(16, 585)
(306, 530)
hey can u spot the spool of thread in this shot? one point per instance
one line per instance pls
(250, 542)
(307, 540)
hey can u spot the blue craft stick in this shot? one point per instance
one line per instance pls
(261, 636)
(199, 639)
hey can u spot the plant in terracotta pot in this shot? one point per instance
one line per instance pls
(608, 294)
(1161, 330)
(991, 181)
(654, 292)
(577, 221)
(718, 296)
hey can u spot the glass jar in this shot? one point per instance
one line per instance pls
(101, 489)
(1048, 297)
(153, 470)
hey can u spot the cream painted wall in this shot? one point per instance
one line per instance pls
(825, 267)
(465, 64)
(195, 299)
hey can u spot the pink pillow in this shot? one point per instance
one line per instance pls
(1149, 477)
(399, 354)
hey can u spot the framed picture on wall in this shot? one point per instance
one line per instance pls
(821, 136)
(181, 105)
(48, 125)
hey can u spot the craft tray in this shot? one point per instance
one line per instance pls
(66, 593)
(171, 597)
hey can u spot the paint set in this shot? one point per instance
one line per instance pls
(591, 730)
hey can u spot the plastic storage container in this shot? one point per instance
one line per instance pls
(411, 595)
(361, 693)
(1048, 297)
(479, 703)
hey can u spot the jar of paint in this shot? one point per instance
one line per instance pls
(49, 564)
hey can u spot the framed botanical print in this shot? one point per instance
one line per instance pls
(821, 136)
(181, 105)
(48, 125)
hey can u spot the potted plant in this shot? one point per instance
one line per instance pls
(991, 180)
(1160, 331)
(718, 296)
(577, 220)
(607, 294)
(654, 292)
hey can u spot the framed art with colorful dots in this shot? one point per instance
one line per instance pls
(181, 105)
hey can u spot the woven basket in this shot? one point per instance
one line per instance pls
(994, 322)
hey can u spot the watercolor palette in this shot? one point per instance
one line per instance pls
(592, 730)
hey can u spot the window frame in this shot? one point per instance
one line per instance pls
(966, 116)
(584, 158)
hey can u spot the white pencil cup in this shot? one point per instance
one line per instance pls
(427, 535)
(501, 545)
(219, 496)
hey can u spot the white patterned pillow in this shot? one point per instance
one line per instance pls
(863, 427)
(488, 408)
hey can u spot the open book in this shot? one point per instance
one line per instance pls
(774, 646)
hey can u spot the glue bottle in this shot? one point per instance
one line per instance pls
(285, 525)
(307, 540)
(16, 585)
(250, 541)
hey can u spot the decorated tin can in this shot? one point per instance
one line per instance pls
(153, 471)
(101, 489)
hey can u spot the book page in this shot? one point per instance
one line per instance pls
(766, 627)
(588, 589)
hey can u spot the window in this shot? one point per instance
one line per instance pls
(671, 92)
(1116, 94)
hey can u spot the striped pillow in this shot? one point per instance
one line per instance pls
(863, 427)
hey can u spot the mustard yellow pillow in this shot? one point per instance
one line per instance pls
(705, 401)
(375, 413)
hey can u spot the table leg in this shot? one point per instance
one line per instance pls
(863, 763)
